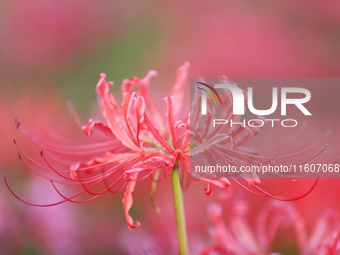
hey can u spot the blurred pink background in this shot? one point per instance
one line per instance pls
(53, 51)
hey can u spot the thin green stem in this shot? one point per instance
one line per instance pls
(179, 212)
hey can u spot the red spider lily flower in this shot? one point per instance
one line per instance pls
(324, 239)
(238, 237)
(133, 142)
(129, 147)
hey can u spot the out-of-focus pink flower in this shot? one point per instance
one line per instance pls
(55, 229)
(49, 35)
(239, 237)
(324, 238)
(246, 39)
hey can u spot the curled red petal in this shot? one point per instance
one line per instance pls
(222, 183)
(209, 189)
(127, 203)
(88, 128)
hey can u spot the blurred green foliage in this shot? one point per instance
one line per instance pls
(119, 60)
